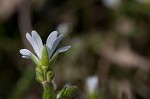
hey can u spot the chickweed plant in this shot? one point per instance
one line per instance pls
(45, 55)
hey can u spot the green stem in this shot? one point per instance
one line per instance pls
(48, 91)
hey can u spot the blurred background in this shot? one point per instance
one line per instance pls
(110, 54)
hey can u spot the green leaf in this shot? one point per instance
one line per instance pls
(70, 92)
(67, 92)
(60, 93)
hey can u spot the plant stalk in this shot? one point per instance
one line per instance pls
(48, 90)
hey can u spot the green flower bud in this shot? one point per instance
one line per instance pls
(50, 76)
(39, 74)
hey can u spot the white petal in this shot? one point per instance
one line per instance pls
(63, 49)
(55, 44)
(51, 38)
(27, 57)
(38, 40)
(25, 53)
(34, 44)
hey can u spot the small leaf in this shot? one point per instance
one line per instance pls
(60, 93)
(70, 92)
(67, 92)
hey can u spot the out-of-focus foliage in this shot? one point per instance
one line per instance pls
(109, 39)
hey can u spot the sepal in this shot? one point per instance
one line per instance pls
(45, 57)
(53, 58)
(35, 59)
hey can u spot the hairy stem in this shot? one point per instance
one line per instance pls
(48, 90)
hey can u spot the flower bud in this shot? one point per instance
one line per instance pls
(39, 74)
(50, 76)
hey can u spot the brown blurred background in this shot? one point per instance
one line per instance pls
(109, 39)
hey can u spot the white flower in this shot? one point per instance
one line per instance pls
(36, 42)
(92, 84)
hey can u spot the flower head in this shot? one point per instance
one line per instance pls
(36, 42)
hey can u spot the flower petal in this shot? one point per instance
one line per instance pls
(33, 44)
(38, 40)
(55, 44)
(27, 57)
(25, 53)
(51, 38)
(63, 49)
